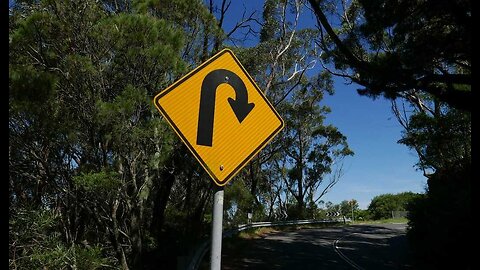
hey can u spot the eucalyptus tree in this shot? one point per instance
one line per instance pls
(280, 63)
(311, 149)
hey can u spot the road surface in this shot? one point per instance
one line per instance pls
(381, 246)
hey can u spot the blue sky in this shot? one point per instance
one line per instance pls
(379, 165)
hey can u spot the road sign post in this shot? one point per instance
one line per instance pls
(216, 250)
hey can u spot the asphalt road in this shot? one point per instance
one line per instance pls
(346, 247)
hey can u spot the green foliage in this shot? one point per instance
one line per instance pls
(238, 203)
(140, 43)
(270, 18)
(39, 221)
(199, 25)
(441, 220)
(83, 127)
(104, 181)
(26, 97)
(310, 147)
(396, 48)
(349, 208)
(311, 208)
(361, 214)
(61, 257)
(295, 163)
(441, 139)
(381, 206)
(419, 51)
(296, 211)
(91, 258)
(35, 243)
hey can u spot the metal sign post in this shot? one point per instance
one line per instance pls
(216, 250)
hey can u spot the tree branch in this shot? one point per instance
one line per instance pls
(322, 19)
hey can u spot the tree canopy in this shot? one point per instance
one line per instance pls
(419, 55)
(401, 48)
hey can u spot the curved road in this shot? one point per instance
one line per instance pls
(381, 246)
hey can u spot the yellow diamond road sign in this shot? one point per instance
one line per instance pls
(220, 114)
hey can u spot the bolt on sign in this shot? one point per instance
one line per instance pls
(220, 114)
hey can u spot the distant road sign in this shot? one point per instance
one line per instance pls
(333, 214)
(220, 114)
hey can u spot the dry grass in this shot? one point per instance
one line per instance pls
(257, 233)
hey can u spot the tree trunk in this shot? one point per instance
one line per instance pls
(160, 202)
(136, 237)
(254, 180)
(116, 237)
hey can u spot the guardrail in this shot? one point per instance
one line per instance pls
(205, 245)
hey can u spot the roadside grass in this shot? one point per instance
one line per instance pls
(256, 233)
(261, 232)
(381, 221)
(241, 240)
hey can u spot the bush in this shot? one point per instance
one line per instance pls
(36, 243)
(382, 206)
(440, 221)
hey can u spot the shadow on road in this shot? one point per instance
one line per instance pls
(370, 246)
(376, 247)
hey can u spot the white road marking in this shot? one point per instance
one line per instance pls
(345, 258)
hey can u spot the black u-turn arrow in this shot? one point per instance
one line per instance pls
(240, 105)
